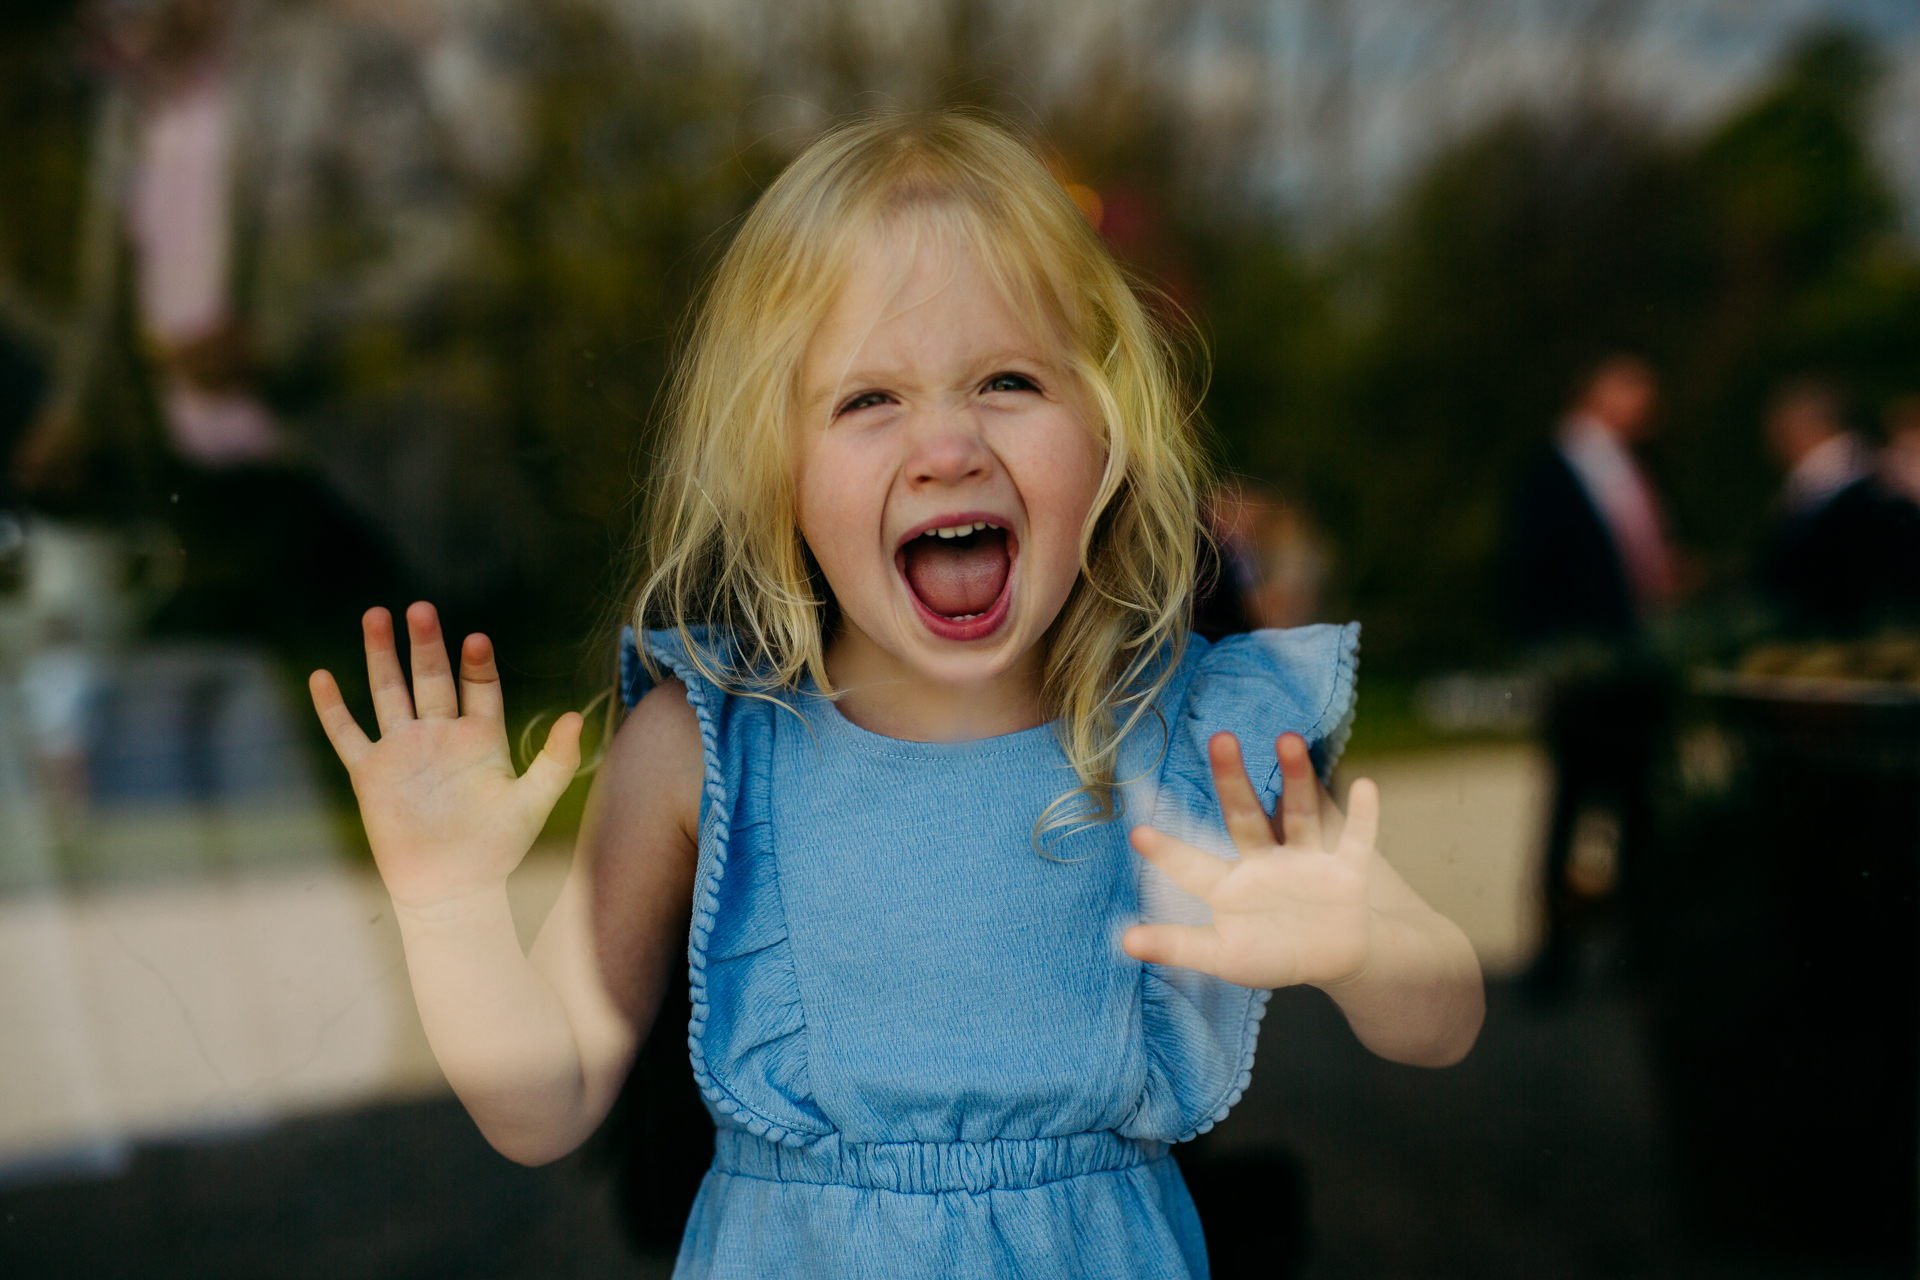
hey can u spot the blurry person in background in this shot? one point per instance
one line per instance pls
(1588, 558)
(1263, 563)
(1586, 565)
(264, 351)
(1843, 555)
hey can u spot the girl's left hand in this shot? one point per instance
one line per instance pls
(1295, 908)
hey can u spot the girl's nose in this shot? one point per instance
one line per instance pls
(947, 450)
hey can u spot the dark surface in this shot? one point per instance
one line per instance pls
(1785, 983)
(397, 1190)
(272, 553)
(1541, 1156)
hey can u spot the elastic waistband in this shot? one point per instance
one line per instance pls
(1008, 1164)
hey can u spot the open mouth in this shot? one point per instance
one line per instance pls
(958, 574)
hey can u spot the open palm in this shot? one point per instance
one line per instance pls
(444, 811)
(1295, 907)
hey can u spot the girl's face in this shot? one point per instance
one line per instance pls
(945, 468)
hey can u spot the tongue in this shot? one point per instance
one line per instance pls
(957, 580)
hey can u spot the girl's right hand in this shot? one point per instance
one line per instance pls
(444, 812)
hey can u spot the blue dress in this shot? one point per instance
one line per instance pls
(925, 1052)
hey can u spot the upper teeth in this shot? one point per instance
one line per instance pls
(957, 530)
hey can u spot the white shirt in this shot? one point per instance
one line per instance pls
(1824, 471)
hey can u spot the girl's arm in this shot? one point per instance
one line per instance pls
(1312, 901)
(1419, 999)
(535, 1046)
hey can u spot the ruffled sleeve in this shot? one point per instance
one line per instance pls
(1201, 1031)
(634, 680)
(1262, 684)
(747, 1037)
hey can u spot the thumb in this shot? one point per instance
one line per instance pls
(1363, 818)
(557, 762)
(1185, 946)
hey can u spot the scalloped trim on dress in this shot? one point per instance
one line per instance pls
(1335, 726)
(1330, 730)
(716, 827)
(1249, 1045)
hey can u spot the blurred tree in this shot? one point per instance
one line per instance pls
(43, 112)
(1391, 382)
(1399, 381)
(1520, 254)
(637, 168)
(1790, 230)
(44, 103)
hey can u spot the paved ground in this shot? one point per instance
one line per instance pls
(398, 1190)
(1463, 826)
(1540, 1156)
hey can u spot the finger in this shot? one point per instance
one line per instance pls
(1299, 794)
(1239, 806)
(392, 704)
(1363, 818)
(557, 762)
(1197, 872)
(480, 680)
(343, 731)
(434, 697)
(1185, 945)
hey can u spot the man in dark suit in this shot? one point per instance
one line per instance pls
(1843, 555)
(1586, 564)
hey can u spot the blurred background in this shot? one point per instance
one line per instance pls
(1573, 346)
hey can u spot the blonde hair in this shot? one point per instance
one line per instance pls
(723, 547)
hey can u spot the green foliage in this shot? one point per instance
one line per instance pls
(1788, 224)
(637, 171)
(1401, 385)
(1393, 384)
(44, 108)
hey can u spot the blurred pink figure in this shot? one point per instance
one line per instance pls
(178, 222)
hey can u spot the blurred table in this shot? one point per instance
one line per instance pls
(1784, 956)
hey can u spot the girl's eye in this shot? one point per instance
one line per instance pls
(1010, 382)
(865, 400)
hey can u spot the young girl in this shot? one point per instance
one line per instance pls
(920, 555)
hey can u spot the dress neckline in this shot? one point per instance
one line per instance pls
(831, 723)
